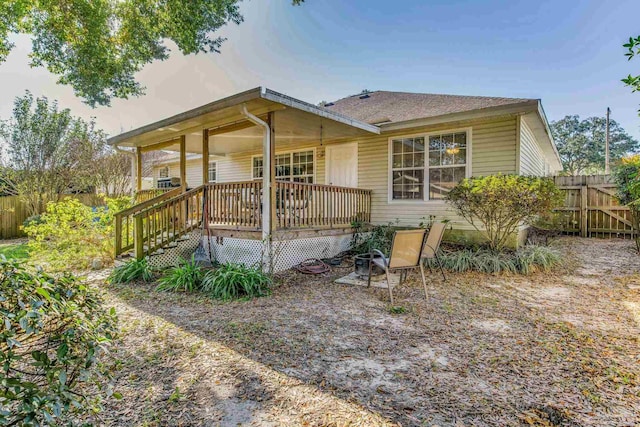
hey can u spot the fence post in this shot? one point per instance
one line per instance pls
(139, 237)
(583, 209)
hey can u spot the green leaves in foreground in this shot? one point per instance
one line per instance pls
(53, 342)
(232, 281)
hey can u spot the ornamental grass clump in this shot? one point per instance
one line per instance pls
(54, 345)
(185, 277)
(525, 260)
(497, 205)
(136, 269)
(233, 281)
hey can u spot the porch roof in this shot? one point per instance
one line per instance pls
(230, 131)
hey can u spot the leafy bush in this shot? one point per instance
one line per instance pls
(496, 205)
(52, 345)
(232, 281)
(131, 271)
(70, 234)
(627, 178)
(187, 277)
(379, 237)
(523, 261)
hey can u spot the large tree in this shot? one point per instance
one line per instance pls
(97, 46)
(48, 151)
(581, 143)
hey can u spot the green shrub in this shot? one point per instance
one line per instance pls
(496, 205)
(523, 261)
(379, 237)
(187, 277)
(70, 234)
(232, 281)
(131, 271)
(53, 341)
(627, 178)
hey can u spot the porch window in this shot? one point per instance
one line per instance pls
(213, 170)
(428, 172)
(163, 172)
(297, 166)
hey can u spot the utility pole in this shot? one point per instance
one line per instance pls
(606, 146)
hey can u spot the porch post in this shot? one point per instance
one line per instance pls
(272, 171)
(138, 169)
(205, 156)
(183, 163)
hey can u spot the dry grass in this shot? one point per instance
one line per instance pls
(549, 350)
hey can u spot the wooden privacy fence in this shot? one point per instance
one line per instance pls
(591, 208)
(13, 212)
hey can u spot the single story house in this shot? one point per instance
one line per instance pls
(376, 157)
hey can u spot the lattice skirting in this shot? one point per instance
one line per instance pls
(286, 253)
(183, 250)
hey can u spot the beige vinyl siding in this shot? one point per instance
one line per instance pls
(493, 150)
(532, 160)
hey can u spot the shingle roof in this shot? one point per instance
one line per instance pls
(382, 106)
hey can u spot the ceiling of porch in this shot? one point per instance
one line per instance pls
(230, 132)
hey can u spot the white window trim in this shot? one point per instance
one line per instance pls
(426, 135)
(215, 162)
(290, 152)
(168, 169)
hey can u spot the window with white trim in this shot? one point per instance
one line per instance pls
(163, 172)
(296, 166)
(427, 167)
(213, 171)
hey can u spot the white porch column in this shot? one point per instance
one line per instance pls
(183, 163)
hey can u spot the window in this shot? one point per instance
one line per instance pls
(296, 166)
(213, 168)
(163, 172)
(427, 167)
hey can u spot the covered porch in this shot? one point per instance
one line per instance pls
(271, 205)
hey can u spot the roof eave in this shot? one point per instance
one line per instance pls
(237, 99)
(515, 108)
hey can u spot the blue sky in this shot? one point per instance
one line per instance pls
(567, 53)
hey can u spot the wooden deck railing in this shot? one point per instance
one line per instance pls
(144, 195)
(123, 220)
(161, 224)
(301, 205)
(155, 223)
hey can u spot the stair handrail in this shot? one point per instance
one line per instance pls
(139, 216)
(128, 214)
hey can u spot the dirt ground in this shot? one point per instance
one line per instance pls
(551, 349)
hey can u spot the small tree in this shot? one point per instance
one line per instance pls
(53, 339)
(627, 179)
(496, 205)
(49, 151)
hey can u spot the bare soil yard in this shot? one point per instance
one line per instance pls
(551, 349)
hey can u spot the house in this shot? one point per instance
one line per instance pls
(375, 157)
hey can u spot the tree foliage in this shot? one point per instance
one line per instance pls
(496, 205)
(52, 345)
(97, 46)
(49, 152)
(627, 178)
(581, 143)
(633, 49)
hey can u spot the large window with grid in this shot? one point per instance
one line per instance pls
(163, 172)
(427, 167)
(213, 171)
(297, 166)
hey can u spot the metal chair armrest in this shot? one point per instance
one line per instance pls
(430, 247)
